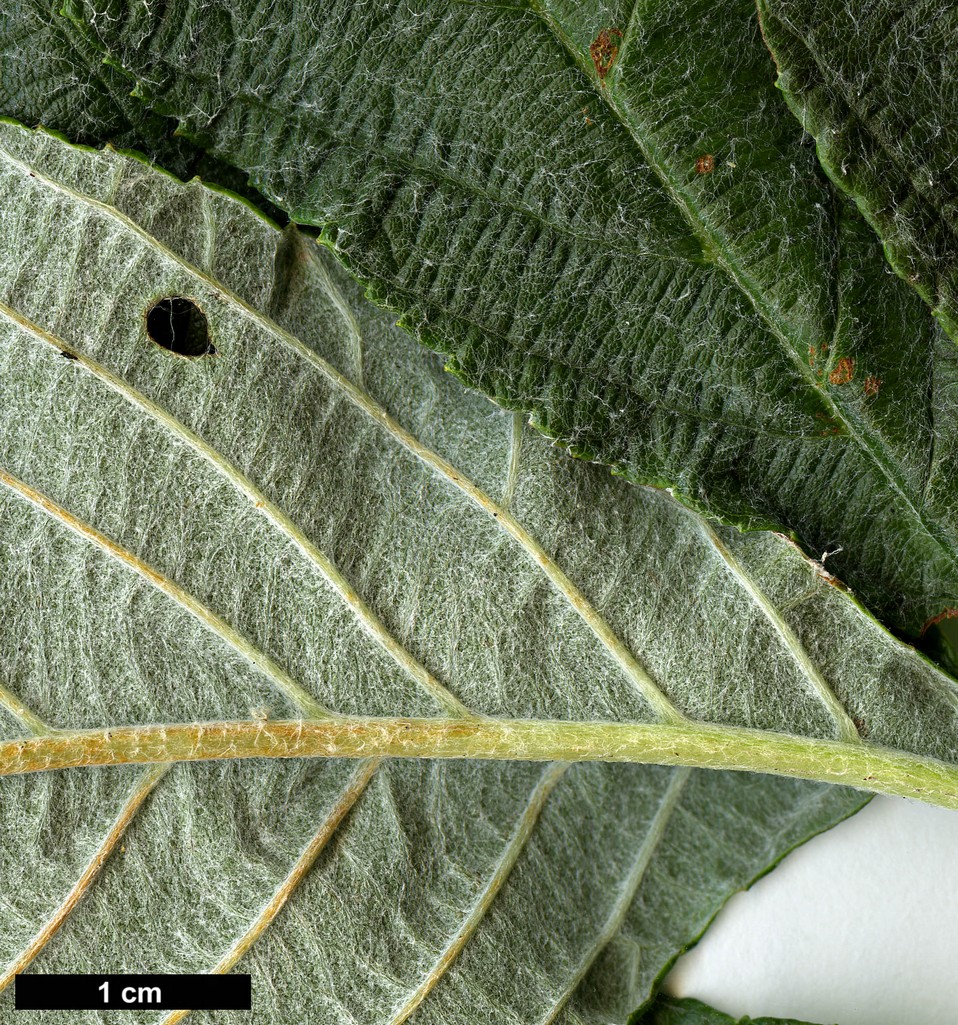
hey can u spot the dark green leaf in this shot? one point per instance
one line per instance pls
(877, 86)
(51, 75)
(605, 217)
(669, 1011)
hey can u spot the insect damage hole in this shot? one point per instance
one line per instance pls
(178, 324)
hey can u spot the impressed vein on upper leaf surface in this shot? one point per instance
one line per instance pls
(640, 252)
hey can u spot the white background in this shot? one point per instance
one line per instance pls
(857, 927)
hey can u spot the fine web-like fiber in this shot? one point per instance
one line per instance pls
(604, 216)
(875, 84)
(51, 75)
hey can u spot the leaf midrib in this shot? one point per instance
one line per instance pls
(223, 466)
(866, 438)
(865, 766)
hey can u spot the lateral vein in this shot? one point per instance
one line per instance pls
(510, 855)
(26, 715)
(630, 886)
(847, 729)
(663, 708)
(360, 779)
(88, 876)
(270, 511)
(279, 677)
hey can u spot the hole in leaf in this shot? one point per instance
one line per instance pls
(939, 641)
(178, 324)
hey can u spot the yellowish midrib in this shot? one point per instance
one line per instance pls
(866, 766)
(361, 778)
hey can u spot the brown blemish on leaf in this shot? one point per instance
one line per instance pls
(844, 371)
(812, 355)
(603, 50)
(819, 569)
(705, 164)
(949, 613)
(872, 384)
(861, 726)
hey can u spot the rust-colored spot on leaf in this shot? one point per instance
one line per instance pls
(812, 355)
(949, 613)
(603, 50)
(705, 164)
(844, 371)
(872, 385)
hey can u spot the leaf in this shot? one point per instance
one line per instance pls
(274, 529)
(606, 218)
(51, 75)
(668, 1011)
(875, 87)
